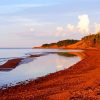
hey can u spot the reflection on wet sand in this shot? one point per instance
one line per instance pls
(68, 55)
(34, 66)
(13, 63)
(82, 55)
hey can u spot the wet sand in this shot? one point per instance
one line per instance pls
(10, 64)
(80, 82)
(13, 63)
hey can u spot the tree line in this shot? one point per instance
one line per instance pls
(61, 43)
(93, 38)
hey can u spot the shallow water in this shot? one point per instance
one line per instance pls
(31, 68)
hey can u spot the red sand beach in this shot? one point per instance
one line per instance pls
(80, 82)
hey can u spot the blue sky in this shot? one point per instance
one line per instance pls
(27, 23)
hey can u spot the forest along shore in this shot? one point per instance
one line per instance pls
(81, 81)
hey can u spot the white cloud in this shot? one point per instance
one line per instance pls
(24, 5)
(13, 8)
(60, 31)
(32, 29)
(70, 27)
(83, 24)
(31, 5)
(97, 27)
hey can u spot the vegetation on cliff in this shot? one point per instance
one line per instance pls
(90, 41)
(61, 43)
(94, 39)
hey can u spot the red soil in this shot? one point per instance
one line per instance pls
(10, 64)
(79, 82)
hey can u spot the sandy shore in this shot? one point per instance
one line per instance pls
(79, 82)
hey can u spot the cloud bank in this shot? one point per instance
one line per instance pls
(70, 27)
(82, 26)
(97, 27)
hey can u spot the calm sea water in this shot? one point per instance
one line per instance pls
(32, 68)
